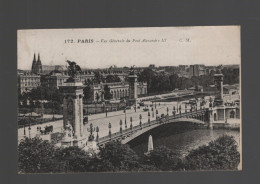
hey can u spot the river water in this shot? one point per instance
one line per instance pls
(181, 141)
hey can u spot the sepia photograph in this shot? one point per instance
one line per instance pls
(144, 99)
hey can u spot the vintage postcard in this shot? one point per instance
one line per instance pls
(129, 99)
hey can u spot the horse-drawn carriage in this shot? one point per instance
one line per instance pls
(47, 129)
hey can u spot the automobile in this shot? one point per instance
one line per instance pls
(145, 109)
(141, 103)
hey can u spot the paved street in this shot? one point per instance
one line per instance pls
(102, 121)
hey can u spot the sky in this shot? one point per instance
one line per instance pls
(162, 46)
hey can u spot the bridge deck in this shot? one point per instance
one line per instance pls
(128, 134)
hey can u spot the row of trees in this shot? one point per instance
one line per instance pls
(38, 156)
(161, 81)
(50, 97)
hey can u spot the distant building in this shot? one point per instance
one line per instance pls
(118, 90)
(28, 81)
(231, 89)
(55, 80)
(36, 65)
(38, 68)
(197, 70)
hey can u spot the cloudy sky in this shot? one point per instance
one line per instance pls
(100, 48)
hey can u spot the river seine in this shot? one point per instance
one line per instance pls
(182, 140)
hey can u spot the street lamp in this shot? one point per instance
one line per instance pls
(156, 113)
(125, 113)
(29, 128)
(120, 123)
(140, 117)
(149, 117)
(173, 113)
(109, 126)
(91, 129)
(152, 112)
(131, 125)
(24, 132)
(97, 130)
(210, 102)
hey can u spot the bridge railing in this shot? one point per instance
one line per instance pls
(147, 124)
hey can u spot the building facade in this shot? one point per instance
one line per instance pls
(118, 90)
(28, 81)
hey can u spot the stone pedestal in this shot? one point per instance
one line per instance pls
(73, 113)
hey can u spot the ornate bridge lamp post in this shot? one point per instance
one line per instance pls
(149, 118)
(97, 130)
(24, 132)
(210, 102)
(125, 113)
(120, 123)
(109, 126)
(140, 117)
(29, 129)
(131, 125)
(167, 111)
(156, 113)
(91, 129)
(152, 112)
(173, 113)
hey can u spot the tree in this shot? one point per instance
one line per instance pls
(97, 96)
(220, 154)
(98, 78)
(117, 157)
(173, 81)
(73, 159)
(164, 159)
(107, 94)
(36, 156)
(112, 78)
(88, 92)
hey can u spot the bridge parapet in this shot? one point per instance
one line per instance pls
(130, 133)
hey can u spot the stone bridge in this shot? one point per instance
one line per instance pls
(124, 136)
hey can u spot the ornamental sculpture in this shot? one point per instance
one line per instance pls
(73, 70)
(132, 70)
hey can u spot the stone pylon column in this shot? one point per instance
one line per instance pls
(218, 78)
(73, 110)
(132, 88)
